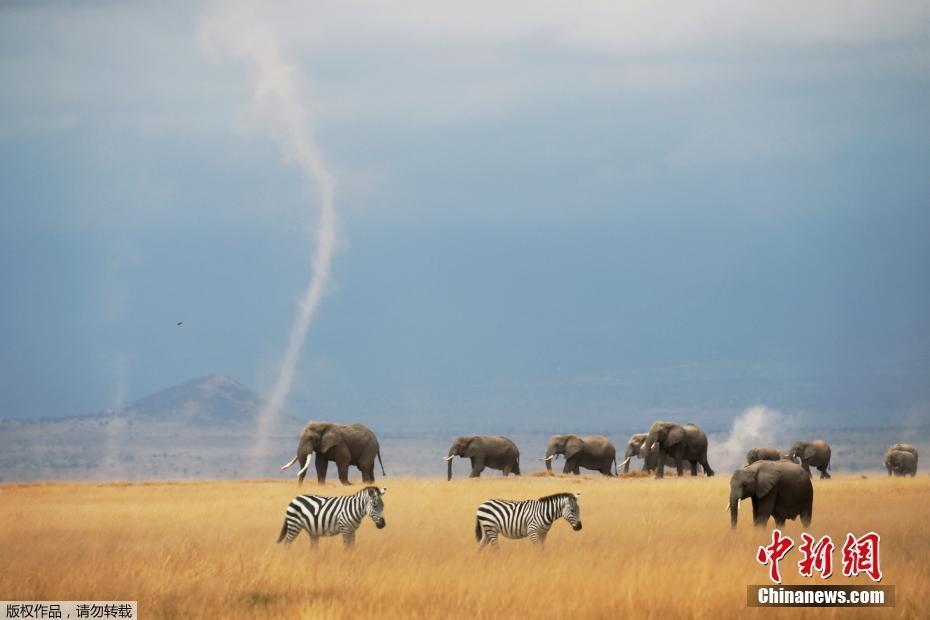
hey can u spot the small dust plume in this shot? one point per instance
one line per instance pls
(756, 427)
(237, 30)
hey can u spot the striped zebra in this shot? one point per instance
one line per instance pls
(331, 516)
(519, 519)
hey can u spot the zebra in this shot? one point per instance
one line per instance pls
(519, 519)
(330, 516)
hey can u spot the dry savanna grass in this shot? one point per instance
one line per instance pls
(648, 549)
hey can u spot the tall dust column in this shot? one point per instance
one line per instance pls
(236, 30)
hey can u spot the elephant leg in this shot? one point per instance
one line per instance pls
(766, 507)
(779, 522)
(626, 467)
(516, 468)
(806, 467)
(693, 468)
(321, 464)
(823, 472)
(506, 470)
(660, 465)
(706, 466)
(368, 473)
(806, 514)
(678, 467)
(343, 469)
(477, 466)
(569, 467)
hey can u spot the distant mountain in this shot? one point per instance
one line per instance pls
(204, 401)
(206, 427)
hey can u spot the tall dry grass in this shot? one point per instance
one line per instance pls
(648, 549)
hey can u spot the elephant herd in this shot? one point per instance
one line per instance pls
(666, 444)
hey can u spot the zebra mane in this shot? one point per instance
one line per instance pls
(555, 497)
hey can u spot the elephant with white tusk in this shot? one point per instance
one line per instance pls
(347, 444)
(634, 447)
(901, 460)
(591, 452)
(681, 442)
(814, 453)
(778, 489)
(494, 451)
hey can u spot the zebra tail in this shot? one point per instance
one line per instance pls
(477, 530)
(381, 463)
(283, 533)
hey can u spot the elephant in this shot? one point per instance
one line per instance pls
(812, 453)
(591, 452)
(634, 448)
(901, 460)
(494, 451)
(347, 444)
(681, 442)
(762, 454)
(778, 489)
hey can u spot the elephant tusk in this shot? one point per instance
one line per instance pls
(626, 461)
(305, 467)
(293, 460)
(549, 458)
(449, 458)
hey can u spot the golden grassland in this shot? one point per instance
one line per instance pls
(648, 549)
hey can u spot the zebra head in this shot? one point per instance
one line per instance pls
(571, 512)
(375, 505)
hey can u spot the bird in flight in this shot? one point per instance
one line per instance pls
(180, 323)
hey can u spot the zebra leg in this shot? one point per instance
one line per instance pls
(348, 538)
(314, 541)
(483, 540)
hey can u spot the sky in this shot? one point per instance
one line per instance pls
(596, 212)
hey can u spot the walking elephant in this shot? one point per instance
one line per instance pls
(494, 451)
(762, 454)
(681, 442)
(347, 444)
(812, 454)
(591, 452)
(778, 489)
(634, 448)
(901, 460)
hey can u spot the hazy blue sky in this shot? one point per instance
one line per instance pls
(611, 212)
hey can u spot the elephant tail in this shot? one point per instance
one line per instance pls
(478, 534)
(283, 531)
(380, 462)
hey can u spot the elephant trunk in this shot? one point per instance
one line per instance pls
(548, 460)
(449, 465)
(626, 464)
(734, 508)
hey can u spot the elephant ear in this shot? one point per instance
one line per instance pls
(330, 439)
(810, 451)
(573, 445)
(471, 448)
(675, 435)
(766, 480)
